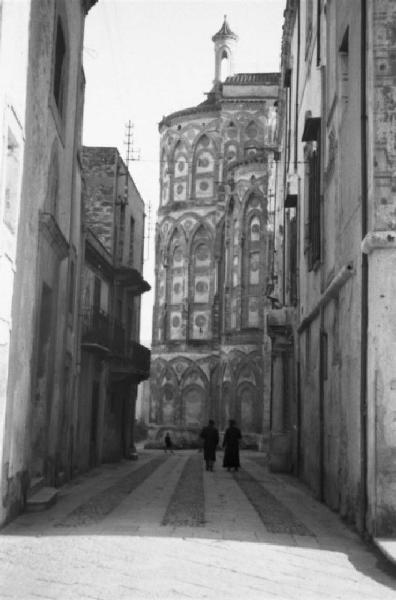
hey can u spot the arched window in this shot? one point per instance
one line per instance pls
(201, 282)
(253, 260)
(180, 172)
(224, 64)
(164, 178)
(204, 167)
(252, 142)
(176, 291)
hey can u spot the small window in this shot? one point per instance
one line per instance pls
(131, 240)
(344, 67)
(72, 287)
(60, 69)
(324, 355)
(308, 25)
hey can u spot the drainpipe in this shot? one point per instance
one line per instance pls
(297, 86)
(364, 294)
(74, 391)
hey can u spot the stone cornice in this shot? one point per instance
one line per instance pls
(379, 240)
(51, 231)
(87, 5)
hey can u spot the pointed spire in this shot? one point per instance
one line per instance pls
(224, 32)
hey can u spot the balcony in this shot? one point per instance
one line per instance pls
(107, 337)
(130, 278)
(96, 331)
(134, 364)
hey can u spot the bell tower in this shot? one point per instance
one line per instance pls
(224, 41)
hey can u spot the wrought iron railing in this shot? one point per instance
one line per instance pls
(99, 330)
(96, 327)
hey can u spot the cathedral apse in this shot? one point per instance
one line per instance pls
(214, 235)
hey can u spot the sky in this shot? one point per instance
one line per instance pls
(144, 59)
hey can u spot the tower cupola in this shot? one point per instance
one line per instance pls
(224, 41)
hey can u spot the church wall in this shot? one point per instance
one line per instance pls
(213, 259)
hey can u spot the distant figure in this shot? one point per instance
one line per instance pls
(231, 447)
(168, 444)
(210, 436)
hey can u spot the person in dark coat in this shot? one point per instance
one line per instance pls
(210, 436)
(231, 447)
(168, 444)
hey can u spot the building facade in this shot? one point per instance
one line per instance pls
(41, 102)
(335, 276)
(210, 352)
(113, 362)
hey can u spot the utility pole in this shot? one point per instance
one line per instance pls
(131, 154)
(148, 236)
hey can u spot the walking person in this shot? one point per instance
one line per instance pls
(210, 436)
(231, 447)
(168, 444)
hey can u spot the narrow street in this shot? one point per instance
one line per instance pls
(162, 527)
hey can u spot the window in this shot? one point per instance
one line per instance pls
(312, 135)
(60, 69)
(292, 251)
(308, 25)
(314, 206)
(96, 294)
(324, 355)
(307, 351)
(131, 240)
(344, 67)
(72, 287)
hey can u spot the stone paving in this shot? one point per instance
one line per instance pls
(163, 527)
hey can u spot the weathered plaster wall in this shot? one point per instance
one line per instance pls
(381, 249)
(99, 165)
(14, 24)
(49, 142)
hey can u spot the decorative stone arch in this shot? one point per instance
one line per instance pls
(158, 368)
(165, 178)
(248, 392)
(175, 285)
(176, 236)
(253, 139)
(194, 386)
(247, 369)
(205, 166)
(231, 153)
(252, 193)
(254, 259)
(227, 404)
(215, 392)
(192, 374)
(179, 170)
(219, 240)
(230, 129)
(201, 283)
(194, 410)
(166, 228)
(248, 408)
(180, 365)
(200, 225)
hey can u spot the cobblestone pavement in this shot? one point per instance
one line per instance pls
(163, 527)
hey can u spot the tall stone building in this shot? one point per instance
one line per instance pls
(41, 104)
(112, 360)
(336, 270)
(210, 353)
